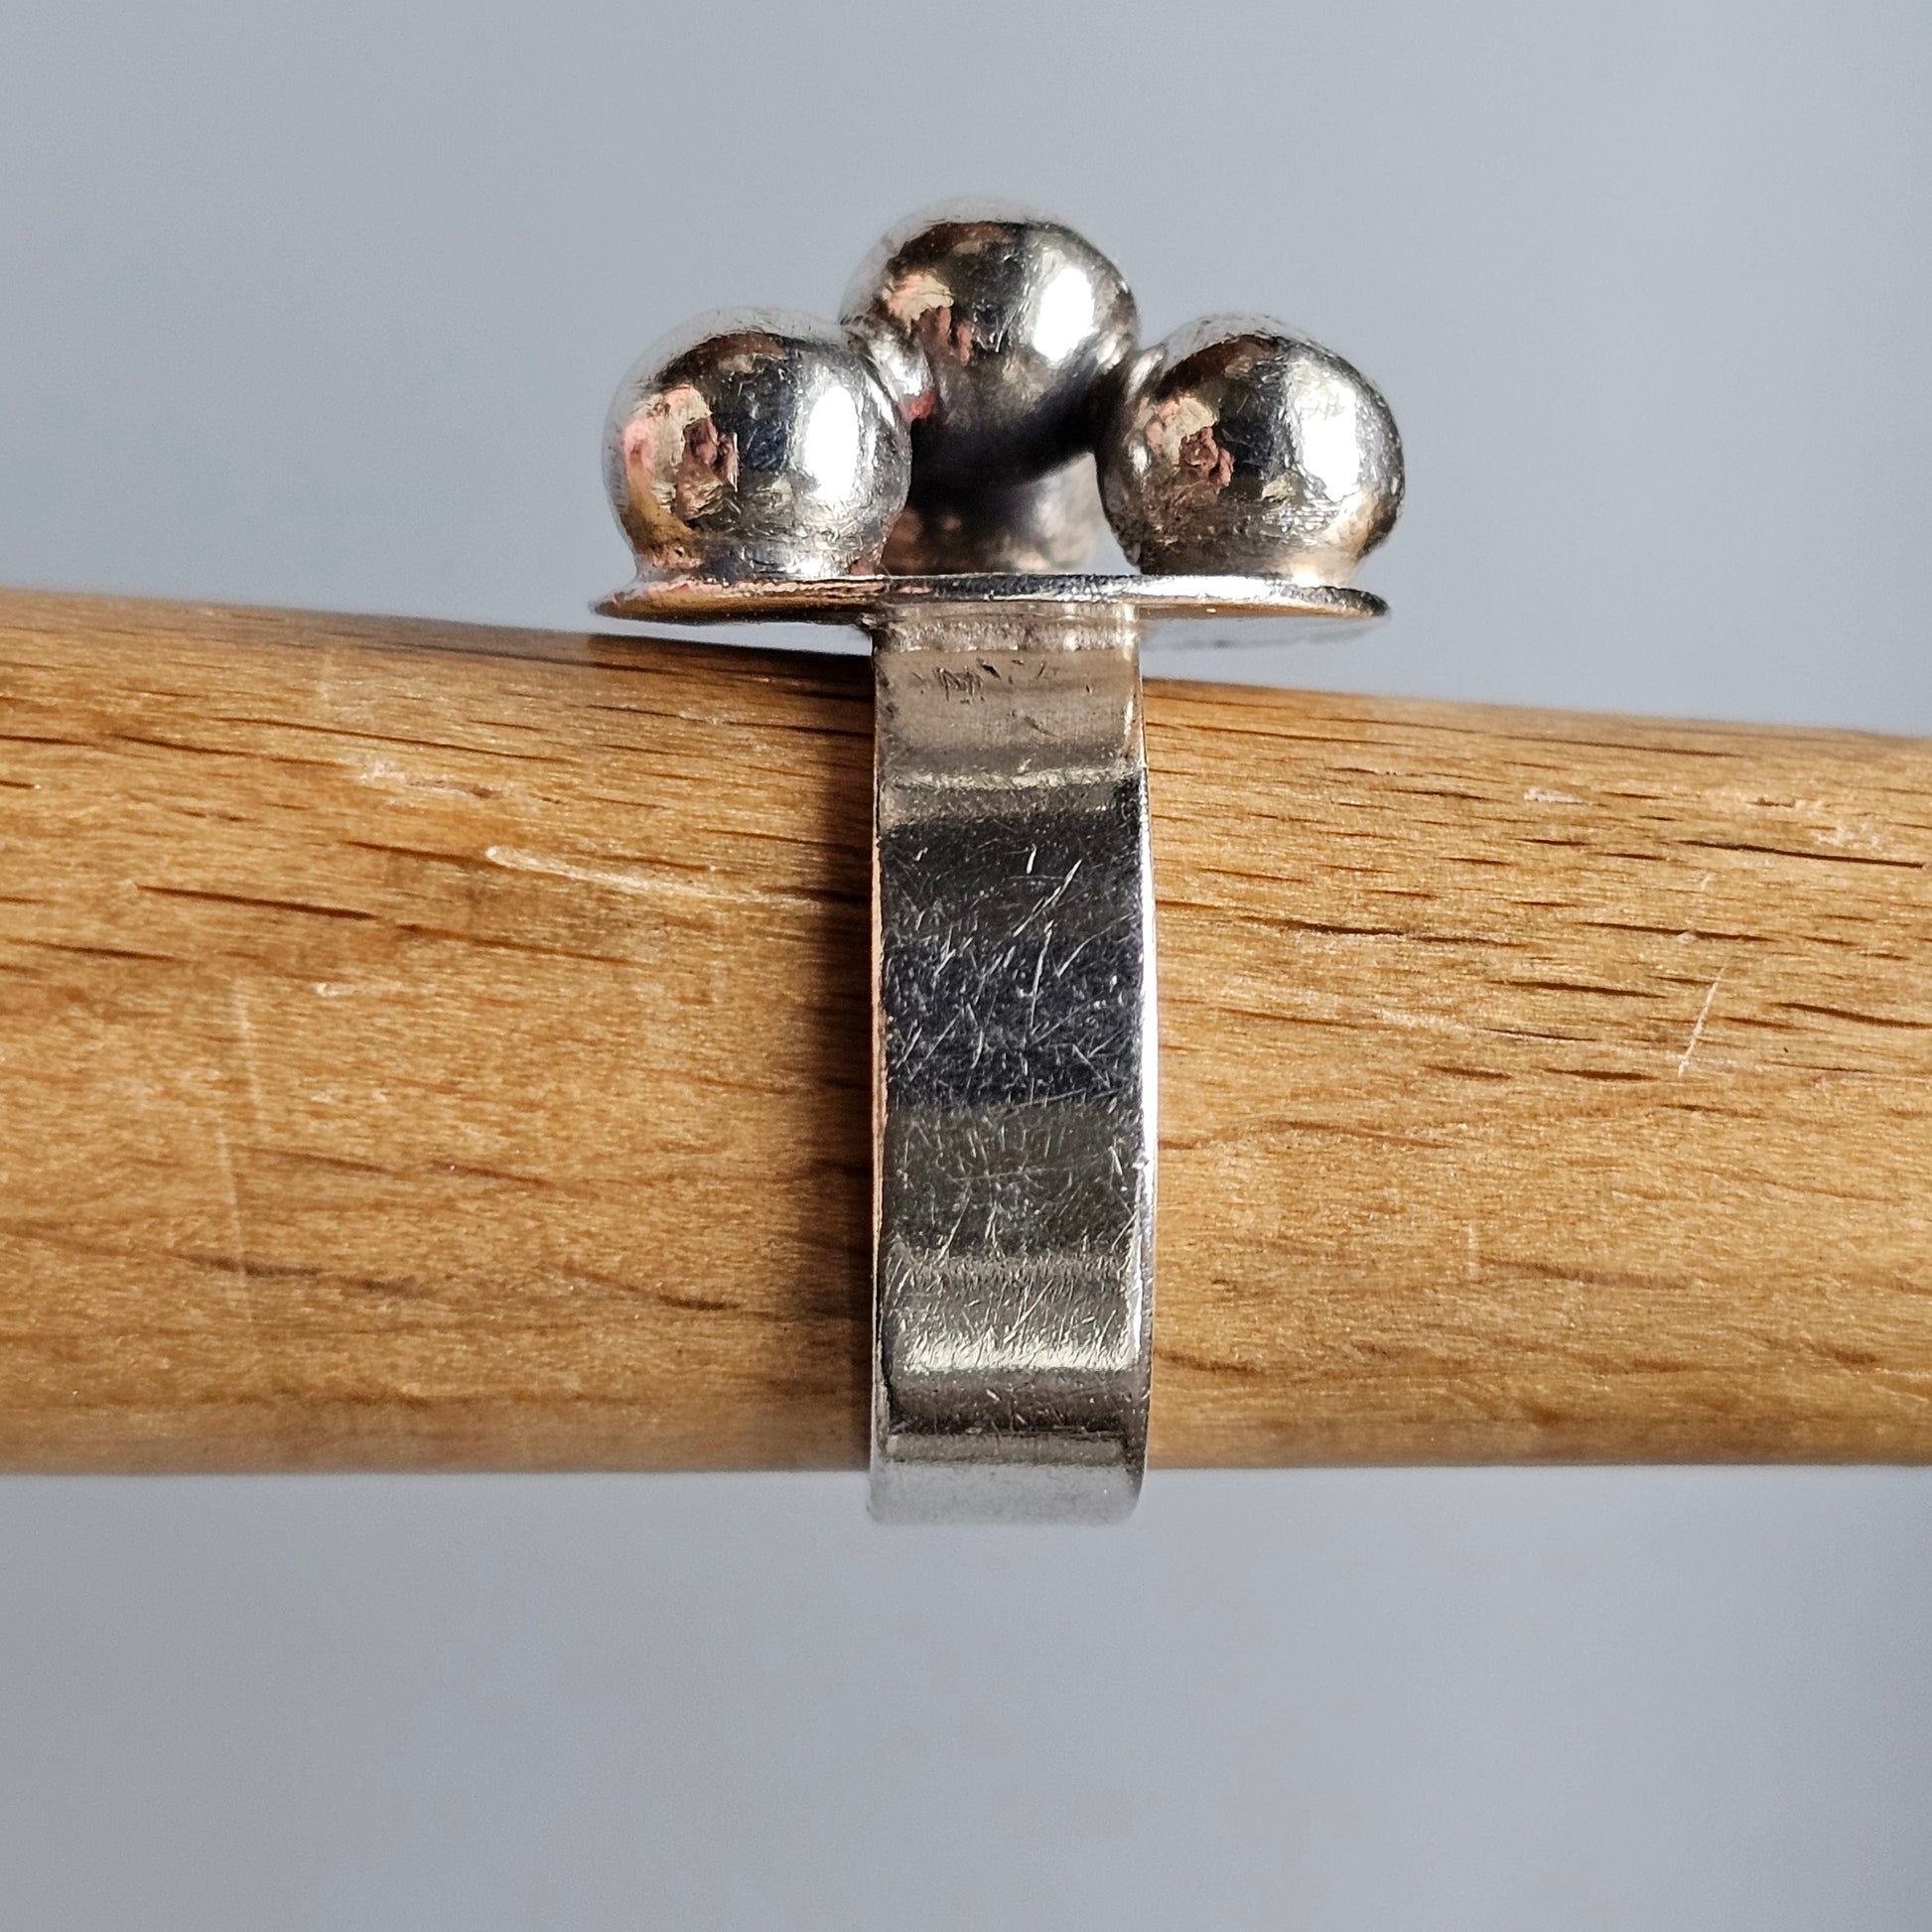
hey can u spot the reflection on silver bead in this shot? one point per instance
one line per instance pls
(1240, 446)
(753, 443)
(995, 330)
(1053, 523)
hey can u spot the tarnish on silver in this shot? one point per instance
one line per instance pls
(935, 469)
(1014, 1072)
(1051, 523)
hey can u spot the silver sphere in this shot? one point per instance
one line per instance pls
(1053, 523)
(995, 329)
(1239, 446)
(753, 443)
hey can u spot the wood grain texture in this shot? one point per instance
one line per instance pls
(434, 1048)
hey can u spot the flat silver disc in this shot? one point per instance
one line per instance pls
(873, 601)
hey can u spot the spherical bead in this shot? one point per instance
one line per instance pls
(753, 443)
(996, 331)
(1239, 446)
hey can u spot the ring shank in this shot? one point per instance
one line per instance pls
(1014, 1068)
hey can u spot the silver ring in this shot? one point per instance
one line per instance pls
(931, 473)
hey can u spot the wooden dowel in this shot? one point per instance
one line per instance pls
(435, 1048)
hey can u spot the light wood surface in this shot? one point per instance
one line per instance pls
(430, 1048)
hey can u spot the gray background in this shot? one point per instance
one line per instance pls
(321, 305)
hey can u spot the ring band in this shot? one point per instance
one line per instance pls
(1014, 1067)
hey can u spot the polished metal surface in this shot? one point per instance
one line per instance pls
(1053, 523)
(1238, 445)
(871, 601)
(1014, 1068)
(751, 443)
(995, 329)
(935, 474)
